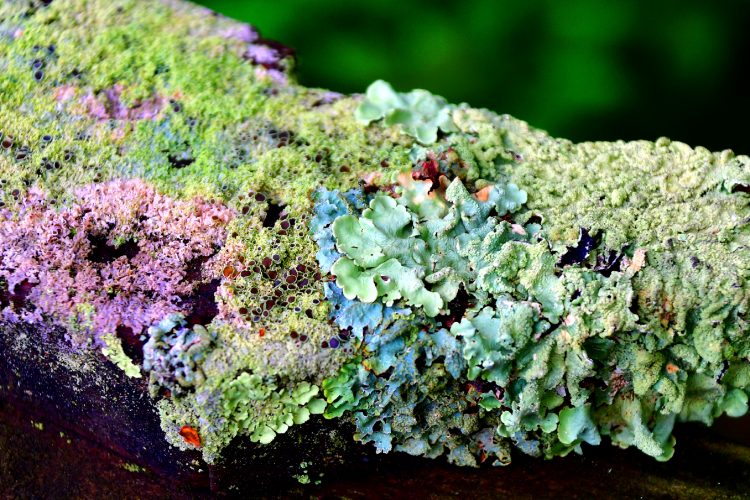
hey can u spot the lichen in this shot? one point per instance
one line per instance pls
(248, 404)
(173, 354)
(135, 468)
(419, 113)
(451, 281)
(116, 354)
(117, 258)
(534, 328)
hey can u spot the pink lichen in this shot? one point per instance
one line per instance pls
(262, 54)
(242, 32)
(65, 93)
(122, 257)
(108, 105)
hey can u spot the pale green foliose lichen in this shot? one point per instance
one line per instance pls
(173, 355)
(418, 113)
(562, 348)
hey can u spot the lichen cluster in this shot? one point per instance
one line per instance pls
(174, 354)
(449, 281)
(117, 259)
(556, 345)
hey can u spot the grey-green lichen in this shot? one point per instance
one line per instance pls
(174, 354)
(450, 281)
(564, 330)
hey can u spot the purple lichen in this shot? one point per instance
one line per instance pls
(242, 32)
(270, 58)
(121, 258)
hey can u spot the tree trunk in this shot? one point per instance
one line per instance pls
(163, 94)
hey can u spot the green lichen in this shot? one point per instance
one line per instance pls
(398, 247)
(277, 411)
(248, 404)
(419, 113)
(493, 338)
(135, 468)
(174, 354)
(547, 331)
(115, 353)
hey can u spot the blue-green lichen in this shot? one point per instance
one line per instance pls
(174, 353)
(534, 335)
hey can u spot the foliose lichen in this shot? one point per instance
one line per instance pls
(114, 351)
(556, 348)
(419, 113)
(174, 354)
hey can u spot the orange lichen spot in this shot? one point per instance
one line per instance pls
(262, 332)
(228, 272)
(483, 194)
(672, 368)
(190, 435)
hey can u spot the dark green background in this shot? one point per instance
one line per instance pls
(582, 69)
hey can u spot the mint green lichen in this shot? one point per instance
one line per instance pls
(493, 338)
(389, 280)
(508, 198)
(395, 248)
(341, 391)
(419, 411)
(535, 331)
(248, 404)
(278, 409)
(174, 354)
(419, 113)
(576, 426)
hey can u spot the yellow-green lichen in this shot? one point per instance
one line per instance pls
(114, 352)
(130, 467)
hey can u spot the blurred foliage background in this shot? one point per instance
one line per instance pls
(581, 69)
